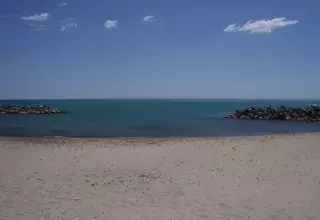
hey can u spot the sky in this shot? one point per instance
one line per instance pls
(159, 49)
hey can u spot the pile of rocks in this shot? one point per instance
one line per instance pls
(309, 114)
(28, 109)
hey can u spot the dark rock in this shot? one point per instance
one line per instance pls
(244, 117)
(281, 116)
(288, 117)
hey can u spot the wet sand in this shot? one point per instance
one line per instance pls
(263, 177)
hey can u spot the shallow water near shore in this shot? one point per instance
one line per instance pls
(148, 118)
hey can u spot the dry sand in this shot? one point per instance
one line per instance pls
(266, 177)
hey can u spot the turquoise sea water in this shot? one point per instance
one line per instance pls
(148, 118)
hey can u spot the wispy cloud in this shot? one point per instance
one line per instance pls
(149, 18)
(37, 27)
(261, 26)
(68, 24)
(10, 15)
(232, 28)
(111, 24)
(62, 4)
(37, 17)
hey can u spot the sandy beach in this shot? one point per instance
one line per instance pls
(263, 177)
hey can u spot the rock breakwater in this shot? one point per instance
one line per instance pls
(309, 114)
(28, 109)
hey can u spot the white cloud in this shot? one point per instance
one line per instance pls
(261, 26)
(62, 4)
(67, 26)
(68, 23)
(111, 24)
(232, 28)
(149, 18)
(37, 17)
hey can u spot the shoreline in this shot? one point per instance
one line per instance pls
(158, 139)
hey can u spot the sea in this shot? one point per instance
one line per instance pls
(149, 118)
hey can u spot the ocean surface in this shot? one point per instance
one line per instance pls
(148, 118)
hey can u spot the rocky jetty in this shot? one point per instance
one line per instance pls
(309, 114)
(28, 109)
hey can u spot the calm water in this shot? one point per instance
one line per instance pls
(147, 118)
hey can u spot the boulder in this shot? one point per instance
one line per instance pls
(244, 117)
(288, 117)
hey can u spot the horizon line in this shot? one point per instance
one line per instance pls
(294, 99)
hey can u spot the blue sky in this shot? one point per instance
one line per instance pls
(159, 49)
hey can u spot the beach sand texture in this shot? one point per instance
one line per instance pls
(263, 177)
